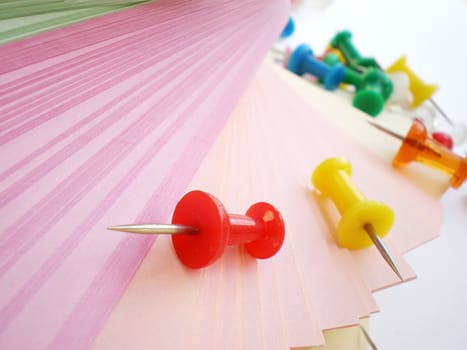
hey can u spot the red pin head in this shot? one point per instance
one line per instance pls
(443, 138)
(260, 230)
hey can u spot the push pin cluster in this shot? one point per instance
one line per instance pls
(341, 65)
(405, 88)
(201, 229)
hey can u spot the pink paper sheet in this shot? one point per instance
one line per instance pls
(112, 111)
(267, 152)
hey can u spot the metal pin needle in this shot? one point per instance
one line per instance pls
(440, 110)
(150, 229)
(368, 338)
(378, 242)
(413, 143)
(387, 131)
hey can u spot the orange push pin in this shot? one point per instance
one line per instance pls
(363, 222)
(201, 229)
(417, 146)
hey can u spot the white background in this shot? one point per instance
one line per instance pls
(431, 311)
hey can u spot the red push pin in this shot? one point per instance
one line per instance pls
(443, 138)
(202, 228)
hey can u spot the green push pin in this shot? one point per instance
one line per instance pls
(343, 42)
(377, 88)
(351, 77)
(373, 87)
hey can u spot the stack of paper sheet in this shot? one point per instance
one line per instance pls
(114, 110)
(267, 152)
(110, 121)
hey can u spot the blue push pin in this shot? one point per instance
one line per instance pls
(302, 61)
(289, 29)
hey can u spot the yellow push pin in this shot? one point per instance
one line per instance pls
(363, 222)
(420, 90)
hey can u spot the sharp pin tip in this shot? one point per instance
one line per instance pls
(377, 241)
(115, 228)
(155, 229)
(396, 270)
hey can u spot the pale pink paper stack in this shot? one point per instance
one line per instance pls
(267, 152)
(109, 122)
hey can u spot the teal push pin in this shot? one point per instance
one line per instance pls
(343, 42)
(288, 29)
(302, 61)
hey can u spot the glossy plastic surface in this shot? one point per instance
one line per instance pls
(289, 29)
(343, 42)
(270, 221)
(351, 76)
(378, 81)
(376, 88)
(302, 61)
(261, 230)
(420, 90)
(417, 146)
(443, 138)
(333, 178)
(368, 101)
(372, 87)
